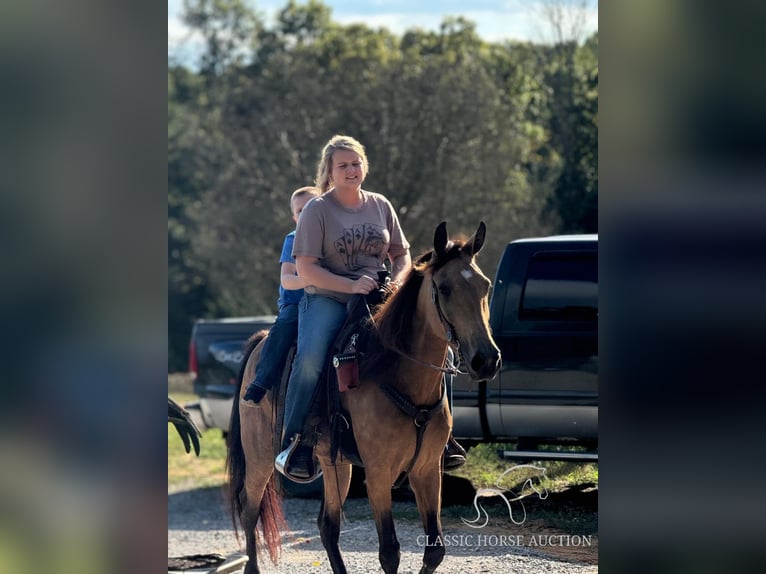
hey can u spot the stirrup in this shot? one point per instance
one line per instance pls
(282, 462)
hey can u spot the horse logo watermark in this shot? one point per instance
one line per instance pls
(532, 483)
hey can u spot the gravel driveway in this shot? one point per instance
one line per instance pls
(198, 523)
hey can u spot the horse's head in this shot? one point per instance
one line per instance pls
(460, 294)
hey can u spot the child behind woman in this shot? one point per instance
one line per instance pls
(284, 332)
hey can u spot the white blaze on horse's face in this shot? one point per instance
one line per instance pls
(467, 274)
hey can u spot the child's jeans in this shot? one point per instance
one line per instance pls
(281, 337)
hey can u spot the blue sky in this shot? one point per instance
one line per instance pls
(495, 20)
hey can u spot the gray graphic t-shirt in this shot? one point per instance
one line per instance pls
(349, 242)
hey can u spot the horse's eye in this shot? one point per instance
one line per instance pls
(444, 290)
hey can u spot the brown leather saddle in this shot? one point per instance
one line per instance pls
(326, 415)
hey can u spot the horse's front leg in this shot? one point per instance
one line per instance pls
(379, 493)
(426, 483)
(337, 480)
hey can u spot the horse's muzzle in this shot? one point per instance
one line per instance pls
(484, 366)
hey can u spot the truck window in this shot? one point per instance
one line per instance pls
(561, 286)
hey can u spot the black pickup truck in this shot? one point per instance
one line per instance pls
(216, 350)
(544, 318)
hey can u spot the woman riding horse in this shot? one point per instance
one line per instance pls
(399, 411)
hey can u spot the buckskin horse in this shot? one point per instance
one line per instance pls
(399, 411)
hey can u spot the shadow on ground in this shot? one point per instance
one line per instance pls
(198, 509)
(573, 509)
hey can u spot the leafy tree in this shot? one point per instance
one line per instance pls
(189, 294)
(228, 28)
(572, 74)
(456, 129)
(574, 135)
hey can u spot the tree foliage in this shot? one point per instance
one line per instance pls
(456, 129)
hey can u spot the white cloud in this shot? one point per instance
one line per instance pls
(510, 20)
(395, 22)
(184, 46)
(177, 31)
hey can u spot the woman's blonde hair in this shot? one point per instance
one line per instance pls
(325, 161)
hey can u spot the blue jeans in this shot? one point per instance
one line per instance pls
(320, 321)
(274, 353)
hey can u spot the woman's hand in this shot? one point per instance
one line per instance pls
(393, 286)
(363, 285)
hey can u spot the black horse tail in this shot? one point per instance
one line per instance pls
(271, 517)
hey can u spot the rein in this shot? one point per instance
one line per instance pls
(449, 368)
(421, 416)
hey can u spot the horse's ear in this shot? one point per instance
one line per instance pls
(475, 243)
(440, 239)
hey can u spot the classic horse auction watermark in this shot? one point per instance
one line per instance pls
(531, 485)
(518, 540)
(528, 484)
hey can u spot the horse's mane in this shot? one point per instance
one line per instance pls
(393, 319)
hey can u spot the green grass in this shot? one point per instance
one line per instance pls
(187, 471)
(570, 514)
(484, 467)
